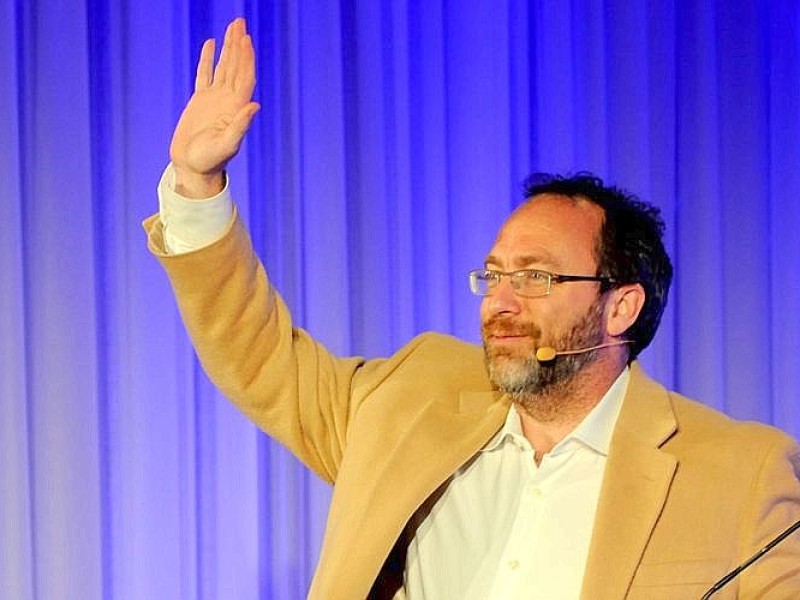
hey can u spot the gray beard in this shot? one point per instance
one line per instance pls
(525, 379)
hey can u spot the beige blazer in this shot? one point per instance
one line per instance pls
(688, 493)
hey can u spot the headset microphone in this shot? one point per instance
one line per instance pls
(547, 354)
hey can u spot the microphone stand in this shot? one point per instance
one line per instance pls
(724, 581)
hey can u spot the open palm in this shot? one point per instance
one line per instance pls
(218, 114)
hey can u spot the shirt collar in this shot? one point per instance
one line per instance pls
(594, 431)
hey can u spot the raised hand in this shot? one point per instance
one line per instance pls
(217, 116)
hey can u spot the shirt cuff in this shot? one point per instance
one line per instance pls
(191, 224)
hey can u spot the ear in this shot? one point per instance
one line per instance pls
(623, 308)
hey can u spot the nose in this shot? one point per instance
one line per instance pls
(503, 299)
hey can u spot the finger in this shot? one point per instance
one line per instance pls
(205, 66)
(244, 80)
(228, 54)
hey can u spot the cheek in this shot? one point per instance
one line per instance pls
(485, 311)
(556, 319)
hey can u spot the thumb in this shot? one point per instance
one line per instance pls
(241, 123)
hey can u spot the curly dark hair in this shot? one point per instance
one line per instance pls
(630, 248)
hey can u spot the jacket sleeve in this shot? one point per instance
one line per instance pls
(277, 375)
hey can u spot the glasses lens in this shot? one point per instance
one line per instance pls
(532, 283)
(480, 282)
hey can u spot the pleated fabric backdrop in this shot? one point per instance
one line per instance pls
(391, 145)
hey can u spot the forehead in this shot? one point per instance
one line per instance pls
(551, 232)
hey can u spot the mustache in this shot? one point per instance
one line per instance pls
(507, 326)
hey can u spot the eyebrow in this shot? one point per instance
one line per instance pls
(546, 260)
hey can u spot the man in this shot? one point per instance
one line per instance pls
(564, 473)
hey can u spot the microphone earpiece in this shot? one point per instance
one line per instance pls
(546, 354)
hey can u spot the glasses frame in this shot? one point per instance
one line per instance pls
(517, 277)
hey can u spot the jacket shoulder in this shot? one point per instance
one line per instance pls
(431, 361)
(694, 416)
(732, 448)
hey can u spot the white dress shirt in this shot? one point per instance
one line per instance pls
(191, 224)
(506, 529)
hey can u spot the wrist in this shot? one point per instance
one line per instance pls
(198, 186)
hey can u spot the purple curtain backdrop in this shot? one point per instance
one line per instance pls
(391, 144)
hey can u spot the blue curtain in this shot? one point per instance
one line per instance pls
(391, 144)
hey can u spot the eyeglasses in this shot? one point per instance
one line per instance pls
(525, 282)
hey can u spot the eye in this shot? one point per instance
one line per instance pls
(534, 276)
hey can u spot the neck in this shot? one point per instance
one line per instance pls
(550, 416)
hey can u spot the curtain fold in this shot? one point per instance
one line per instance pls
(390, 146)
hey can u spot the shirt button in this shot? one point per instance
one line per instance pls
(536, 492)
(513, 565)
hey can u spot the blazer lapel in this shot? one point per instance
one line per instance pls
(637, 479)
(440, 440)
